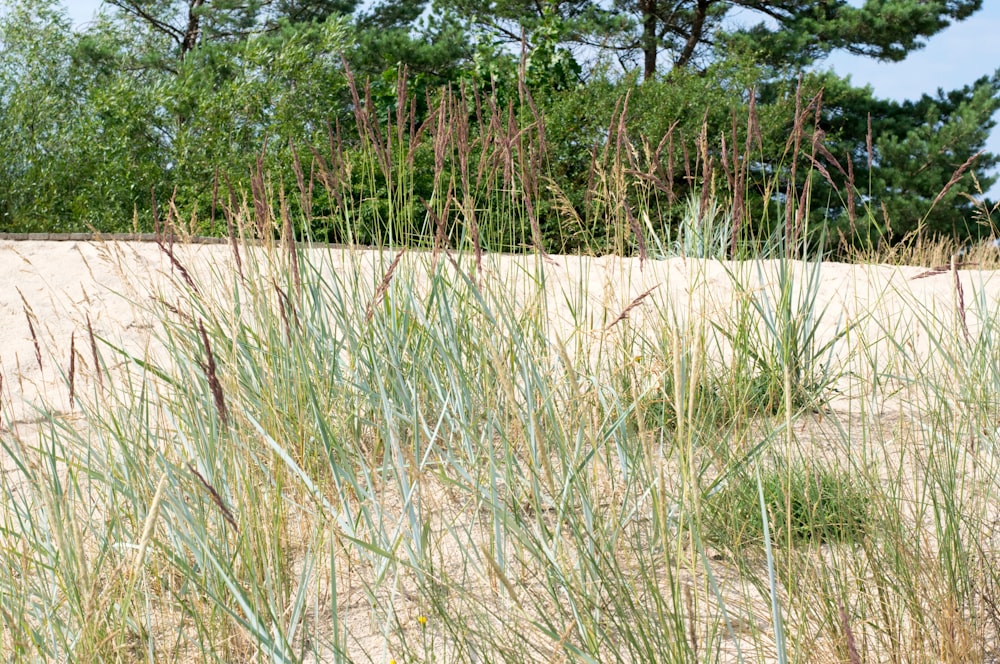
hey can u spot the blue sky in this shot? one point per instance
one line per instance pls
(956, 57)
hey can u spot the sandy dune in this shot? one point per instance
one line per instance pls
(53, 288)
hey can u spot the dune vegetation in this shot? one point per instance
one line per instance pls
(484, 368)
(717, 448)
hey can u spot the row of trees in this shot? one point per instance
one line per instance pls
(166, 99)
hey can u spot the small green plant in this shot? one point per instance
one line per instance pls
(705, 229)
(805, 505)
(781, 361)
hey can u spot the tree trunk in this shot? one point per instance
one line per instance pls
(193, 28)
(649, 41)
(697, 30)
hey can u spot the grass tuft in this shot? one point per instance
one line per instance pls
(805, 506)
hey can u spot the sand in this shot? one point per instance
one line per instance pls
(52, 289)
(57, 292)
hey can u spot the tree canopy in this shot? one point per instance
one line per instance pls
(171, 99)
(697, 32)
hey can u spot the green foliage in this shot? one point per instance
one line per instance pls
(397, 34)
(155, 100)
(917, 148)
(698, 32)
(78, 139)
(804, 504)
(230, 100)
(546, 69)
(304, 11)
(801, 32)
(128, 125)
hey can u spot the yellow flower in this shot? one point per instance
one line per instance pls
(422, 620)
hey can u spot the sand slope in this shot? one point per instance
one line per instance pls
(58, 286)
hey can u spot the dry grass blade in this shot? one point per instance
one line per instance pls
(852, 649)
(215, 195)
(529, 179)
(34, 338)
(440, 223)
(632, 305)
(213, 378)
(742, 172)
(227, 514)
(332, 176)
(692, 628)
(753, 124)
(668, 142)
(789, 210)
(231, 212)
(818, 138)
(960, 300)
(383, 148)
(305, 193)
(172, 214)
(285, 305)
(497, 572)
(93, 351)
(706, 164)
(261, 207)
(288, 235)
(955, 177)
(728, 172)
(156, 214)
(441, 140)
(941, 269)
(637, 231)
(464, 152)
(149, 526)
(651, 178)
(72, 367)
(169, 251)
(383, 286)
(851, 212)
(174, 310)
(868, 143)
(823, 171)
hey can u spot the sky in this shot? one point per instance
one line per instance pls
(955, 57)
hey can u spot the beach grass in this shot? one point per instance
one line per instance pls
(364, 455)
(452, 446)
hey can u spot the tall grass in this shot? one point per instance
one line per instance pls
(451, 454)
(363, 455)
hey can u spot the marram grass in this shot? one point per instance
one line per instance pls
(380, 456)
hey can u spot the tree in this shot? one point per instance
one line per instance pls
(916, 146)
(189, 23)
(779, 32)
(311, 11)
(432, 46)
(174, 95)
(33, 75)
(898, 159)
(130, 109)
(77, 138)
